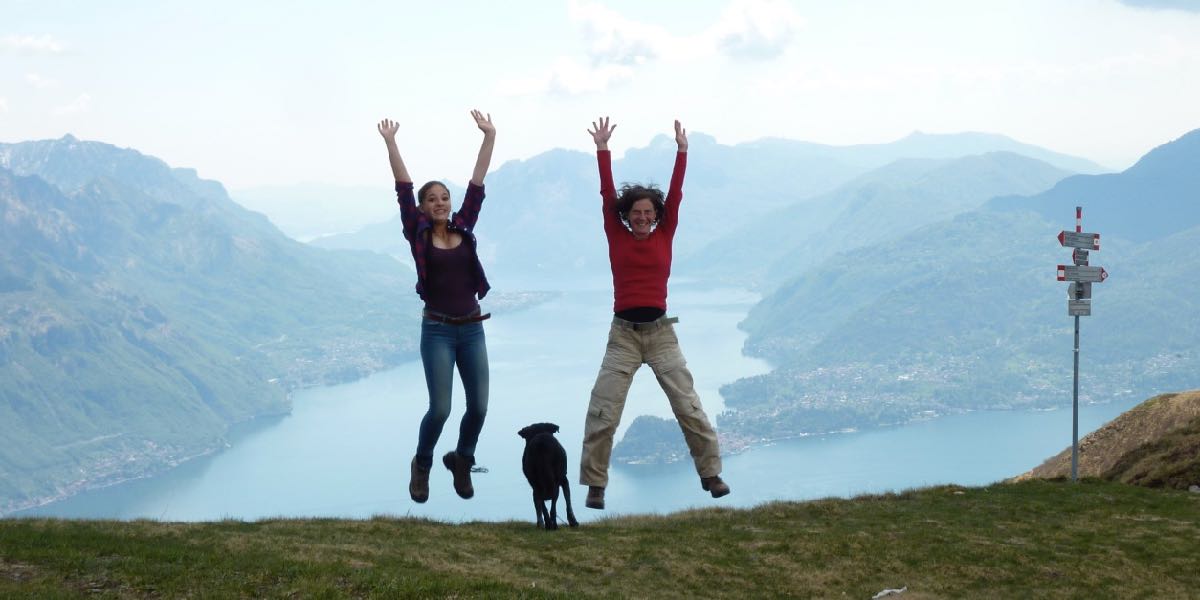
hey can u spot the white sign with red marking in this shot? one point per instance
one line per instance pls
(1081, 273)
(1078, 239)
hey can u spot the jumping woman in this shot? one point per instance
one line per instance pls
(640, 225)
(451, 281)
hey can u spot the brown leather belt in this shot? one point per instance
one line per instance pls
(440, 318)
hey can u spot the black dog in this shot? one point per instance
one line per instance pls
(545, 466)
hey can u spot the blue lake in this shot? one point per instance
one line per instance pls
(345, 450)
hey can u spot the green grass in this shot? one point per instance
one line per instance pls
(1032, 539)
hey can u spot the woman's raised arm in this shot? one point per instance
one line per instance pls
(387, 128)
(485, 150)
(601, 132)
(670, 218)
(681, 142)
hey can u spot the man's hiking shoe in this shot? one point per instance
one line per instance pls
(595, 497)
(418, 485)
(460, 466)
(714, 486)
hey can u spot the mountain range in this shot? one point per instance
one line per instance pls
(142, 312)
(881, 205)
(536, 209)
(966, 313)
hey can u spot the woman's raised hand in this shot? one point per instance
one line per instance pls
(484, 123)
(387, 128)
(680, 136)
(601, 131)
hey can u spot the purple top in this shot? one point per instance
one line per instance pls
(417, 226)
(450, 285)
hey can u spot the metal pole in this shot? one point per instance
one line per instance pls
(1075, 411)
(1075, 390)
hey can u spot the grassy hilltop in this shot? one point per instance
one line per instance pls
(1034, 537)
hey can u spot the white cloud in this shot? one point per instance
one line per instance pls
(570, 78)
(616, 46)
(756, 29)
(39, 82)
(614, 39)
(81, 104)
(32, 44)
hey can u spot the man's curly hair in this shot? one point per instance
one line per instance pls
(632, 192)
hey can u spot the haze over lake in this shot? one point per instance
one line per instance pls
(344, 451)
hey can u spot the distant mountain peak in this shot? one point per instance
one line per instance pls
(943, 145)
(1181, 152)
(1152, 199)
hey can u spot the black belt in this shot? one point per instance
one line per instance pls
(440, 318)
(655, 324)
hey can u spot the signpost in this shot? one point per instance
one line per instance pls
(1079, 304)
(1082, 272)
(1078, 239)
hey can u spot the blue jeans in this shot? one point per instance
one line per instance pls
(442, 346)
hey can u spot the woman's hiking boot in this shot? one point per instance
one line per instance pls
(460, 466)
(418, 484)
(714, 486)
(595, 497)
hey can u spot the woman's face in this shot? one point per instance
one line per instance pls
(641, 217)
(436, 204)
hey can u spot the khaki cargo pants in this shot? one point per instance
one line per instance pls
(630, 345)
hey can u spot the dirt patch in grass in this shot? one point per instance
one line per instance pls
(1156, 444)
(16, 572)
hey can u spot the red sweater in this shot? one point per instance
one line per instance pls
(640, 268)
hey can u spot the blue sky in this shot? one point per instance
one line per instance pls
(287, 92)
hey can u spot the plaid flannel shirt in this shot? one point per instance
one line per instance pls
(417, 226)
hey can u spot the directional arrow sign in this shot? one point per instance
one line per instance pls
(1079, 256)
(1075, 239)
(1081, 273)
